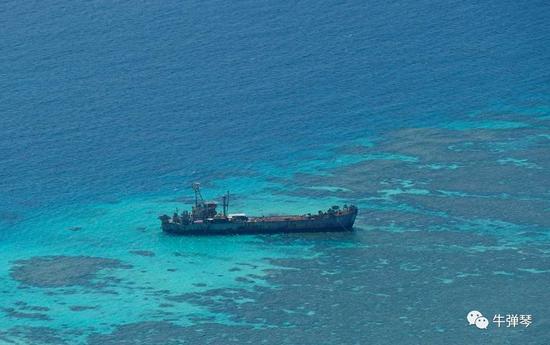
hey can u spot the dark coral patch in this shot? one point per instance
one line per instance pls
(165, 305)
(11, 312)
(82, 307)
(163, 332)
(32, 335)
(21, 305)
(143, 252)
(63, 271)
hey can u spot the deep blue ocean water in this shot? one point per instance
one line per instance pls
(432, 117)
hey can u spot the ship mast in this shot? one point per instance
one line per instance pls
(225, 201)
(198, 195)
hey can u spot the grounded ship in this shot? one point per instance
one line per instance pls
(205, 220)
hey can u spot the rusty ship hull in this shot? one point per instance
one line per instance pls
(204, 220)
(343, 221)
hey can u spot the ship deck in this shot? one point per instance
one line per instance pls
(279, 218)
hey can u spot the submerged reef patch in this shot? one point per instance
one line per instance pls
(63, 271)
(456, 176)
(142, 252)
(82, 307)
(163, 332)
(12, 312)
(32, 335)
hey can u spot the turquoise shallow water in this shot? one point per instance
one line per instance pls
(433, 118)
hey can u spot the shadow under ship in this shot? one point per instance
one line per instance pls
(205, 220)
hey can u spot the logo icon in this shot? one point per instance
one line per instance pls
(472, 316)
(482, 322)
(476, 318)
